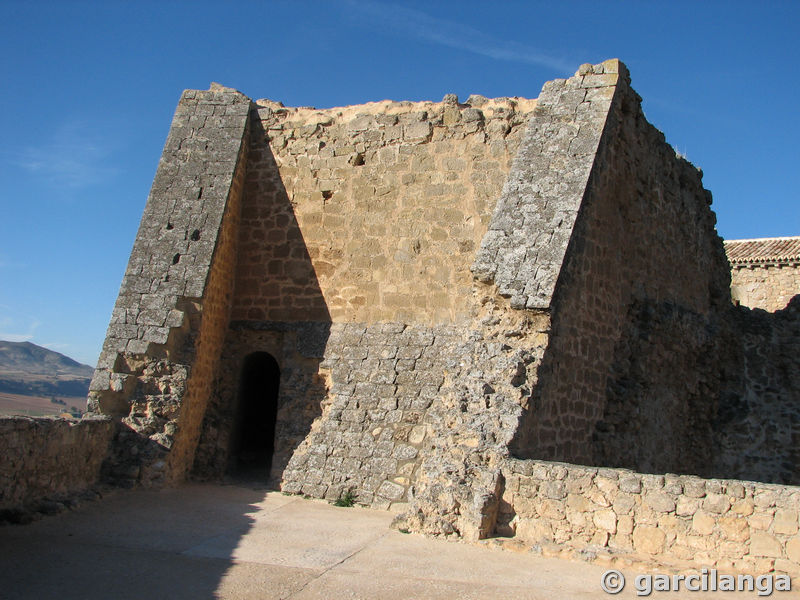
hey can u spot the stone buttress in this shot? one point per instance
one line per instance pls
(163, 343)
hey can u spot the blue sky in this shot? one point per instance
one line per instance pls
(89, 88)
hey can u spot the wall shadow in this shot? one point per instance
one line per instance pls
(733, 415)
(278, 308)
(184, 539)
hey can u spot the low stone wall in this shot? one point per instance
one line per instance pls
(670, 520)
(49, 458)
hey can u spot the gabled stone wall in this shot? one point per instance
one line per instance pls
(360, 224)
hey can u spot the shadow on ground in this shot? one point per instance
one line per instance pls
(239, 543)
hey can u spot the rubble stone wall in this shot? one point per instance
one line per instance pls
(672, 520)
(767, 286)
(49, 458)
(756, 425)
(372, 427)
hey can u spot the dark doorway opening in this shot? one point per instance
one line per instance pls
(254, 443)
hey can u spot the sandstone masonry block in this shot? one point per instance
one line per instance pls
(648, 539)
(785, 521)
(764, 544)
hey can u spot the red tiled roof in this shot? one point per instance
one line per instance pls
(780, 249)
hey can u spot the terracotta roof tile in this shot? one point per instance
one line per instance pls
(780, 249)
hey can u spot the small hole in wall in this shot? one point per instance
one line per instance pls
(358, 160)
(175, 259)
(327, 194)
(200, 194)
(195, 235)
(169, 225)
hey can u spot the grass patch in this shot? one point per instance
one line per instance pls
(346, 500)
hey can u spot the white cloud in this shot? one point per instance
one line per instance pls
(12, 331)
(16, 337)
(73, 157)
(452, 34)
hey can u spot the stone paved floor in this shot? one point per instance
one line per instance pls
(205, 541)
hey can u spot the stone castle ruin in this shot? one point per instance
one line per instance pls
(445, 309)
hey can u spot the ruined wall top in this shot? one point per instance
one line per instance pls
(298, 116)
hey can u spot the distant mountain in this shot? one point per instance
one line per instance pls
(30, 370)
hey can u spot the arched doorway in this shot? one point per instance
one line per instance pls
(254, 443)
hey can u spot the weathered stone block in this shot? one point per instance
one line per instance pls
(703, 523)
(764, 544)
(716, 503)
(648, 539)
(793, 549)
(785, 521)
(631, 485)
(390, 491)
(660, 502)
(606, 520)
(734, 528)
(760, 520)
